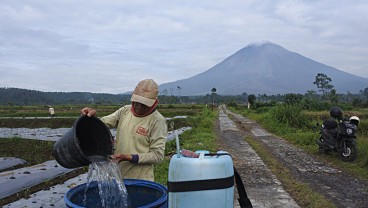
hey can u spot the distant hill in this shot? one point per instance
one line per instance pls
(16, 96)
(265, 69)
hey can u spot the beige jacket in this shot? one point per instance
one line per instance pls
(144, 136)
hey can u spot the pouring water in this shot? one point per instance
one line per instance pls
(112, 190)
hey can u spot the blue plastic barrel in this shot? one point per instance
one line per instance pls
(141, 193)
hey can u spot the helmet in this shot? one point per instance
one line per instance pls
(354, 120)
(336, 112)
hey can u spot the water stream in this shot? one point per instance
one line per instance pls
(111, 188)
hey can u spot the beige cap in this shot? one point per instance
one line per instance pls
(145, 92)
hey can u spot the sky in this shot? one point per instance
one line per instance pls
(108, 46)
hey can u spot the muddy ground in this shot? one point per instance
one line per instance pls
(341, 188)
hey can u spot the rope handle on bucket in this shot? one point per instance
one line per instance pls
(243, 200)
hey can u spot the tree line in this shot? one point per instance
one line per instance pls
(16, 96)
(311, 99)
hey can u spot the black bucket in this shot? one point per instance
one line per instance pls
(89, 136)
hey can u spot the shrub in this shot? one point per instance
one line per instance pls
(290, 115)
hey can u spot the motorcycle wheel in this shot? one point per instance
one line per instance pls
(321, 148)
(350, 153)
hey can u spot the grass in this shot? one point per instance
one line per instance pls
(33, 151)
(17, 114)
(37, 123)
(60, 110)
(305, 137)
(102, 110)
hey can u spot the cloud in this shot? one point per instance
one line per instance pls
(39, 43)
(109, 46)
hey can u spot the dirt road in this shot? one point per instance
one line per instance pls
(263, 189)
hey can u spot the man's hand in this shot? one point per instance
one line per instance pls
(88, 111)
(121, 157)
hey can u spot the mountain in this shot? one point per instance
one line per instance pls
(265, 69)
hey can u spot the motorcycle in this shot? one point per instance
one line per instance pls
(339, 135)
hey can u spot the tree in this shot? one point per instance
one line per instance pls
(164, 93)
(178, 88)
(171, 91)
(333, 97)
(293, 99)
(213, 91)
(365, 93)
(244, 96)
(251, 99)
(323, 83)
(357, 102)
(311, 94)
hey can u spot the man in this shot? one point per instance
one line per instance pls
(51, 112)
(140, 132)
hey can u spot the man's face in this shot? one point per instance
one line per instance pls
(140, 108)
